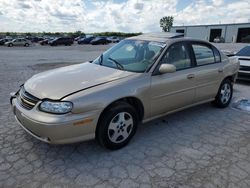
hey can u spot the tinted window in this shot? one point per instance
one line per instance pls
(244, 51)
(203, 54)
(177, 55)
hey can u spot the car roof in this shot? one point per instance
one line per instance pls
(160, 37)
(167, 37)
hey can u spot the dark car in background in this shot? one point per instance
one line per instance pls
(46, 41)
(67, 41)
(100, 40)
(2, 41)
(85, 40)
(79, 37)
(244, 58)
(34, 39)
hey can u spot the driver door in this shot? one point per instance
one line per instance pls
(171, 91)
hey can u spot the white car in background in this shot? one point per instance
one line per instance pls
(244, 57)
(114, 39)
(18, 42)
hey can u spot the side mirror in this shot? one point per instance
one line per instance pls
(167, 68)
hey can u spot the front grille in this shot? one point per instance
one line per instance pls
(245, 68)
(26, 100)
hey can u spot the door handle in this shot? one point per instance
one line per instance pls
(220, 69)
(190, 76)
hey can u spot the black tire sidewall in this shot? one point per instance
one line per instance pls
(102, 129)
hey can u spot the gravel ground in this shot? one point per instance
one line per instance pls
(198, 147)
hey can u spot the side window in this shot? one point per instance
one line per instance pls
(178, 55)
(203, 54)
(127, 51)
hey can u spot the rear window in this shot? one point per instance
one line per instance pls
(244, 51)
(203, 54)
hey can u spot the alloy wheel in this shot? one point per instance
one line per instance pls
(120, 127)
(225, 93)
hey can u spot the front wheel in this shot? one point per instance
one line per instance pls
(224, 95)
(27, 44)
(117, 126)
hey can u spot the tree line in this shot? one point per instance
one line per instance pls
(70, 34)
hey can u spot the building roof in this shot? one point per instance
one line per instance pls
(181, 26)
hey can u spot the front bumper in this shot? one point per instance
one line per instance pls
(56, 129)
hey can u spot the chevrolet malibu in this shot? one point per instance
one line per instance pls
(139, 79)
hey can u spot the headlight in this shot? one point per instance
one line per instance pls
(56, 107)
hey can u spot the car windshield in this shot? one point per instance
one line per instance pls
(244, 51)
(131, 55)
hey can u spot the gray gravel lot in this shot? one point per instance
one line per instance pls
(198, 147)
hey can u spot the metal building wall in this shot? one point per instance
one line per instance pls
(229, 31)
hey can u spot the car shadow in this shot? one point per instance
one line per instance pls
(243, 82)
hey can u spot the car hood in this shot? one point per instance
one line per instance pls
(57, 83)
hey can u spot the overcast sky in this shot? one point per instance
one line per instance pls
(116, 15)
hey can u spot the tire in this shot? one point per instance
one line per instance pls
(224, 95)
(117, 126)
(27, 44)
(10, 45)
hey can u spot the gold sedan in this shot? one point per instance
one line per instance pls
(137, 80)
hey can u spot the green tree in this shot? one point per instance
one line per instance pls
(166, 23)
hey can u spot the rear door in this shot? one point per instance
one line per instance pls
(172, 91)
(22, 42)
(17, 42)
(60, 41)
(208, 71)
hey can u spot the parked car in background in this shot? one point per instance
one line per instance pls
(114, 39)
(219, 40)
(34, 39)
(4, 40)
(100, 40)
(246, 39)
(67, 41)
(18, 42)
(139, 79)
(85, 40)
(244, 57)
(46, 41)
(79, 37)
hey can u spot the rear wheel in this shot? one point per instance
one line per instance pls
(27, 44)
(117, 126)
(224, 95)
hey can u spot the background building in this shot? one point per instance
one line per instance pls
(239, 32)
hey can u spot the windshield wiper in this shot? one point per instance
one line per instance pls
(119, 65)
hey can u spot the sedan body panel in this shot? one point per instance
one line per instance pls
(171, 91)
(51, 84)
(207, 81)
